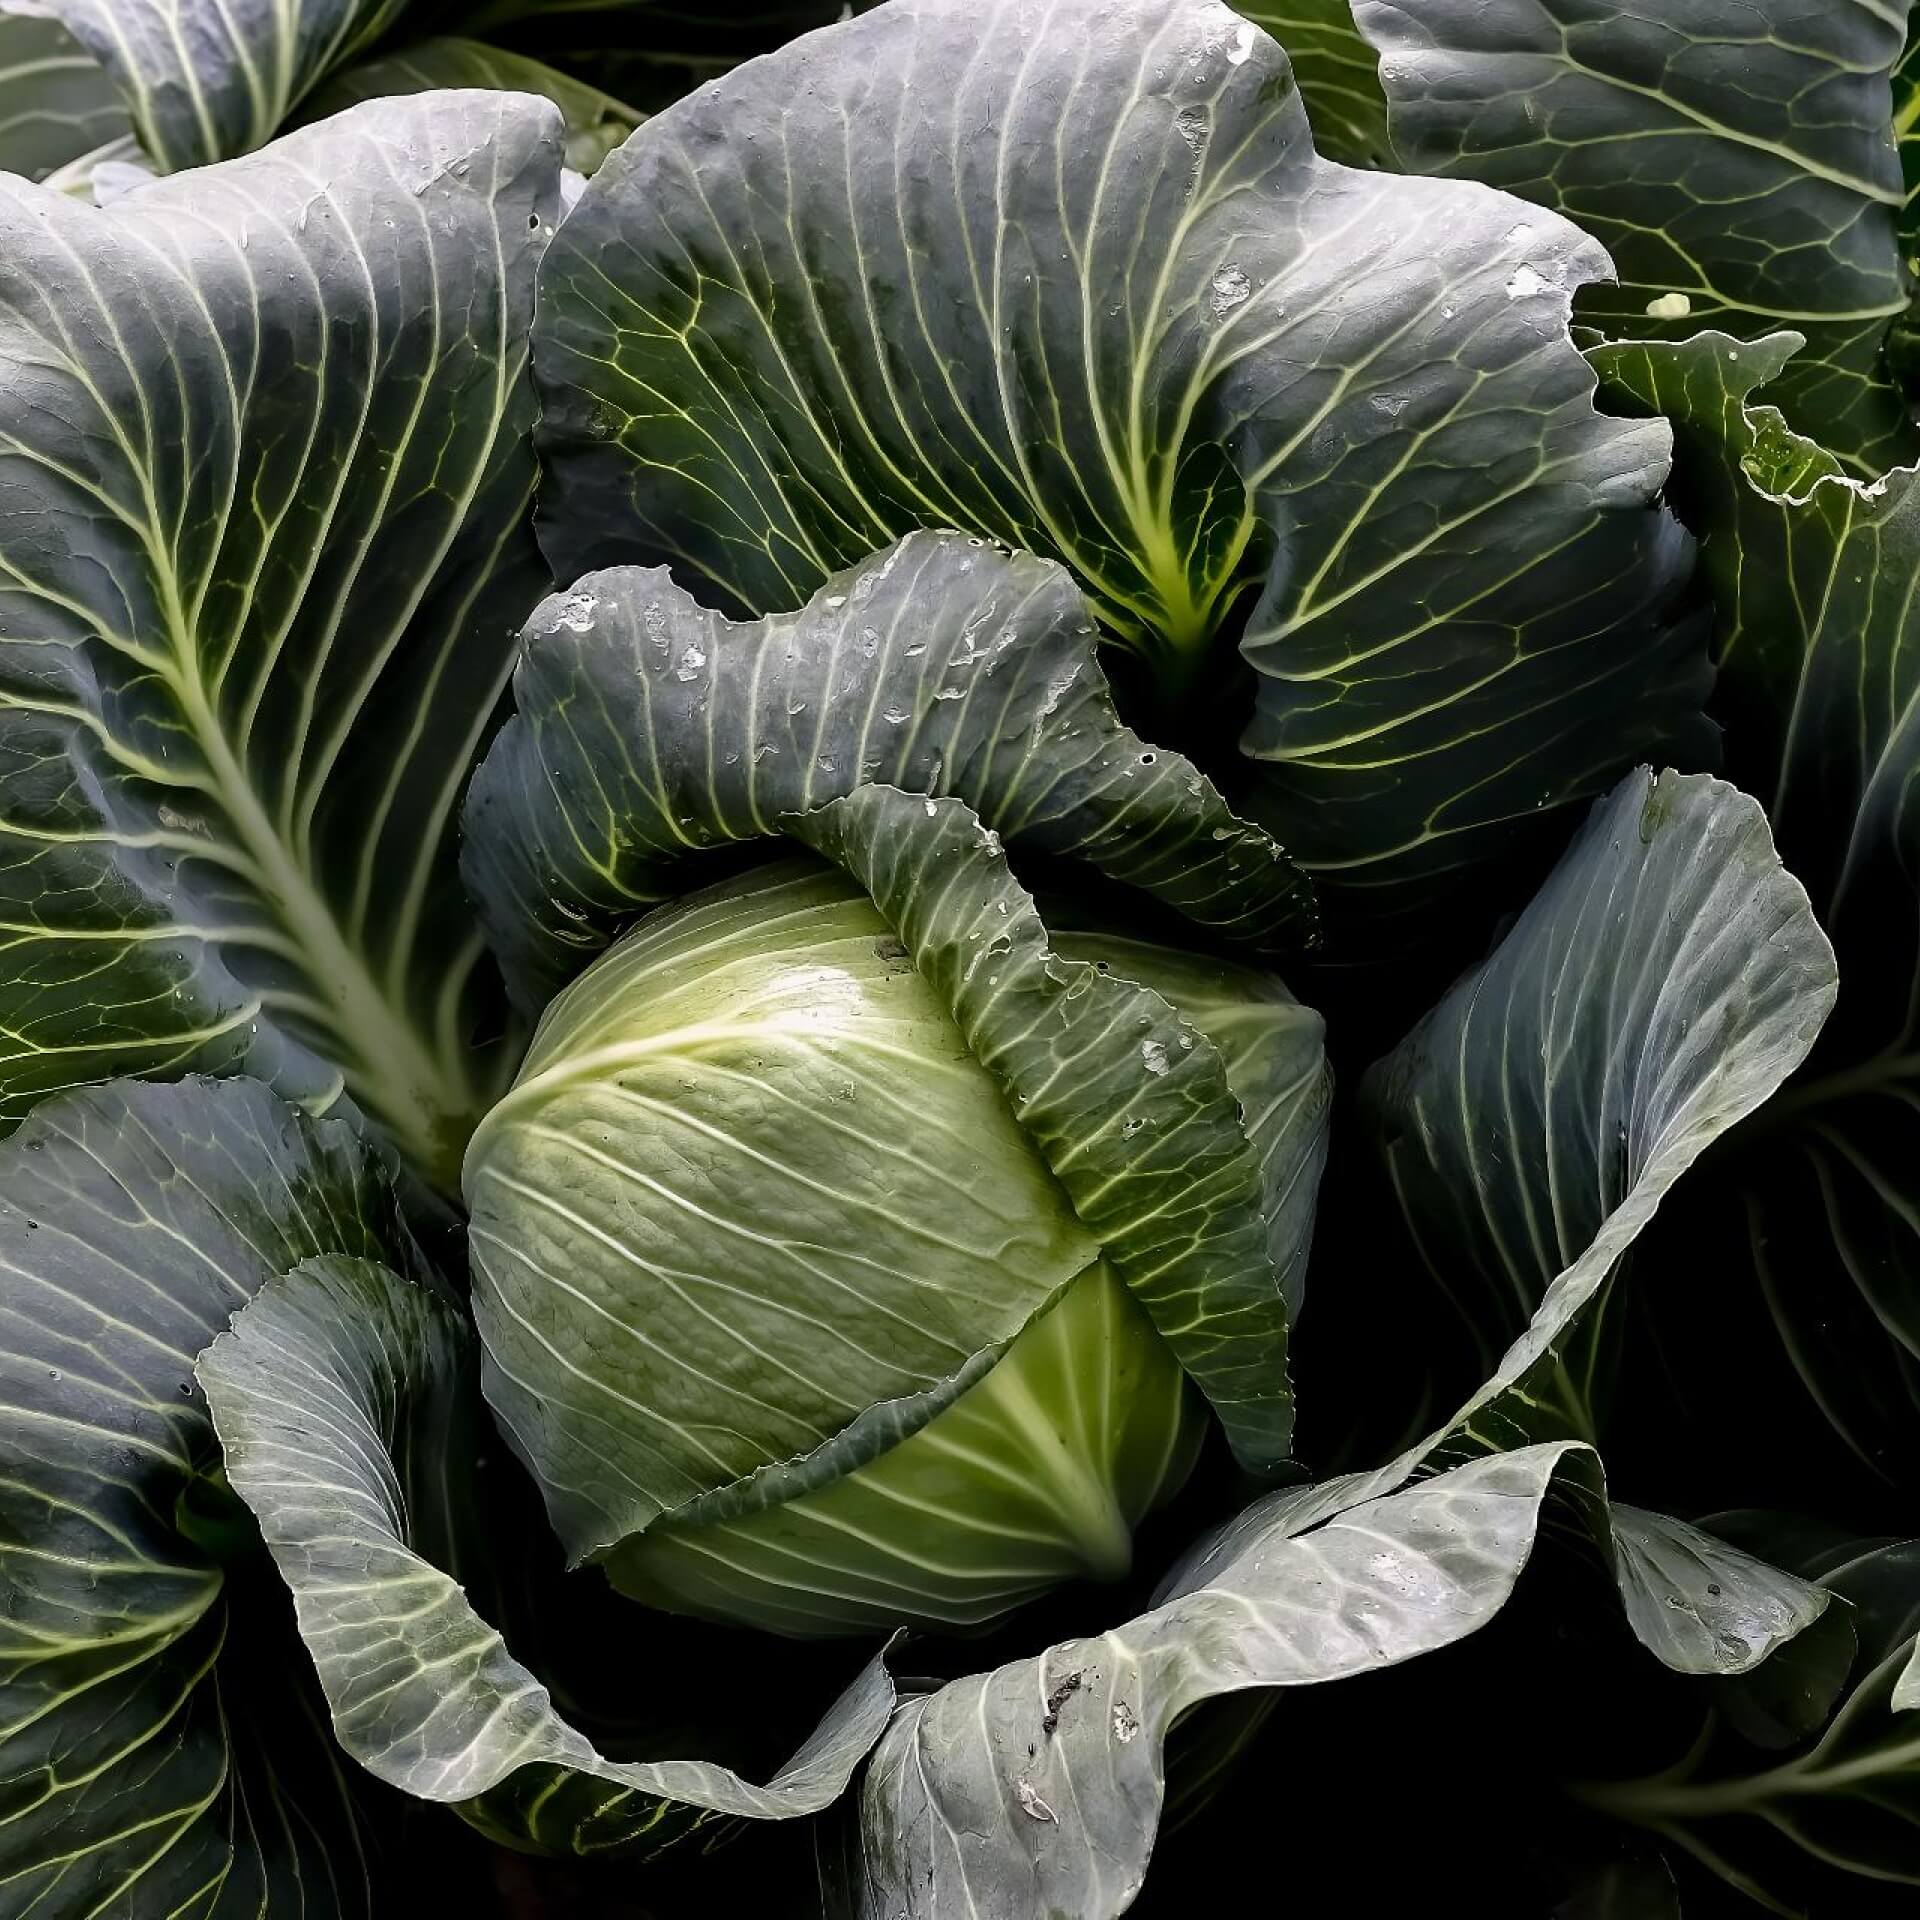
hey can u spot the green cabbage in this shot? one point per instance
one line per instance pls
(769, 1274)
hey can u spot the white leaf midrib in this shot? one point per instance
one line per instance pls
(384, 1058)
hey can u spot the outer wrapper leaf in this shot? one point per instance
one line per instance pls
(1736, 157)
(57, 105)
(335, 1394)
(1660, 987)
(1107, 304)
(159, 1753)
(1274, 1052)
(1826, 1826)
(262, 441)
(1337, 73)
(1125, 1100)
(206, 80)
(1814, 576)
(1037, 1789)
(652, 729)
(596, 121)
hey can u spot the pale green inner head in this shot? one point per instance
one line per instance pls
(784, 1309)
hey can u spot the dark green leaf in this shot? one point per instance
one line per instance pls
(1660, 987)
(1663, 983)
(1815, 576)
(341, 1395)
(157, 1752)
(262, 437)
(1337, 73)
(1107, 304)
(1903, 344)
(1128, 1104)
(1274, 1053)
(1789, 1696)
(1828, 1828)
(652, 729)
(1736, 157)
(205, 80)
(57, 105)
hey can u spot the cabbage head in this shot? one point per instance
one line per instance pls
(768, 1271)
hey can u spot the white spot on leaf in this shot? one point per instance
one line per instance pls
(1056, 689)
(1231, 288)
(576, 612)
(1669, 306)
(1526, 282)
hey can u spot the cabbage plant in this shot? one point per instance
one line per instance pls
(855, 981)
